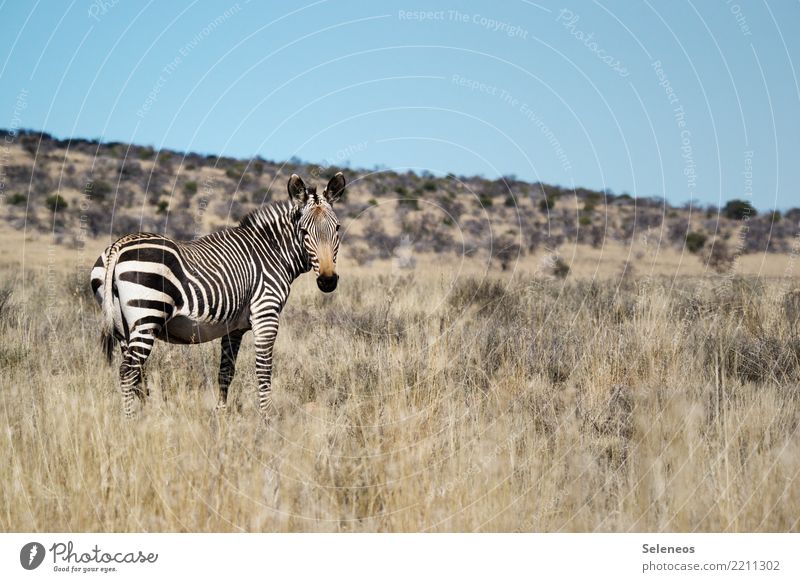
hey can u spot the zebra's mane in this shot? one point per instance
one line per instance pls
(267, 214)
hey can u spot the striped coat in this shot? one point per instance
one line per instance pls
(217, 287)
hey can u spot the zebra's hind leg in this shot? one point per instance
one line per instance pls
(227, 365)
(131, 371)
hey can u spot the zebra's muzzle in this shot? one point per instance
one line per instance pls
(327, 283)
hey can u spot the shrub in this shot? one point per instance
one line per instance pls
(5, 295)
(101, 188)
(146, 153)
(585, 220)
(548, 204)
(17, 199)
(429, 185)
(560, 268)
(56, 202)
(695, 241)
(718, 257)
(261, 195)
(485, 200)
(411, 202)
(190, 188)
(739, 209)
(163, 206)
(505, 250)
(555, 266)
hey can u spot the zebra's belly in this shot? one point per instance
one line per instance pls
(183, 330)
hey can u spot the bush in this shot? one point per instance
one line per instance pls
(485, 200)
(585, 220)
(5, 295)
(695, 241)
(56, 203)
(718, 257)
(190, 188)
(506, 249)
(17, 199)
(739, 209)
(430, 186)
(556, 266)
(146, 153)
(548, 204)
(411, 202)
(101, 188)
(560, 268)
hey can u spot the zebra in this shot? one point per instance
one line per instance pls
(218, 286)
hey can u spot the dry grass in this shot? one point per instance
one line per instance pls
(420, 400)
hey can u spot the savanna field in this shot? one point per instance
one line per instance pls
(637, 392)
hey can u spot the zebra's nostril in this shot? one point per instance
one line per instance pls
(327, 284)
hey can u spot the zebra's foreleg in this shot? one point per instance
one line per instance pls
(265, 330)
(227, 364)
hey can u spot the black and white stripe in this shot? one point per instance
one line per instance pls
(219, 286)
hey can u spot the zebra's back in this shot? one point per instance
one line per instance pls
(191, 292)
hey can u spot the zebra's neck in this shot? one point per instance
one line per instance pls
(277, 226)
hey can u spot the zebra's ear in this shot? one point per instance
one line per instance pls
(297, 190)
(334, 189)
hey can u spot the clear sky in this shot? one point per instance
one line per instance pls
(686, 99)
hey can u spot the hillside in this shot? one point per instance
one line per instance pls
(82, 189)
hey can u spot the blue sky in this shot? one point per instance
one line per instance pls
(688, 100)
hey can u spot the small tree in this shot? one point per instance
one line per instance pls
(695, 241)
(739, 209)
(56, 203)
(17, 199)
(101, 189)
(506, 249)
(719, 257)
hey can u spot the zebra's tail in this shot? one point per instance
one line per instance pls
(107, 327)
(107, 340)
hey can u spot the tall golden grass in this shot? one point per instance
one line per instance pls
(419, 400)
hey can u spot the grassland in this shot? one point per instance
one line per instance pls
(441, 398)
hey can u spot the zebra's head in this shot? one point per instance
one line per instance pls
(319, 227)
